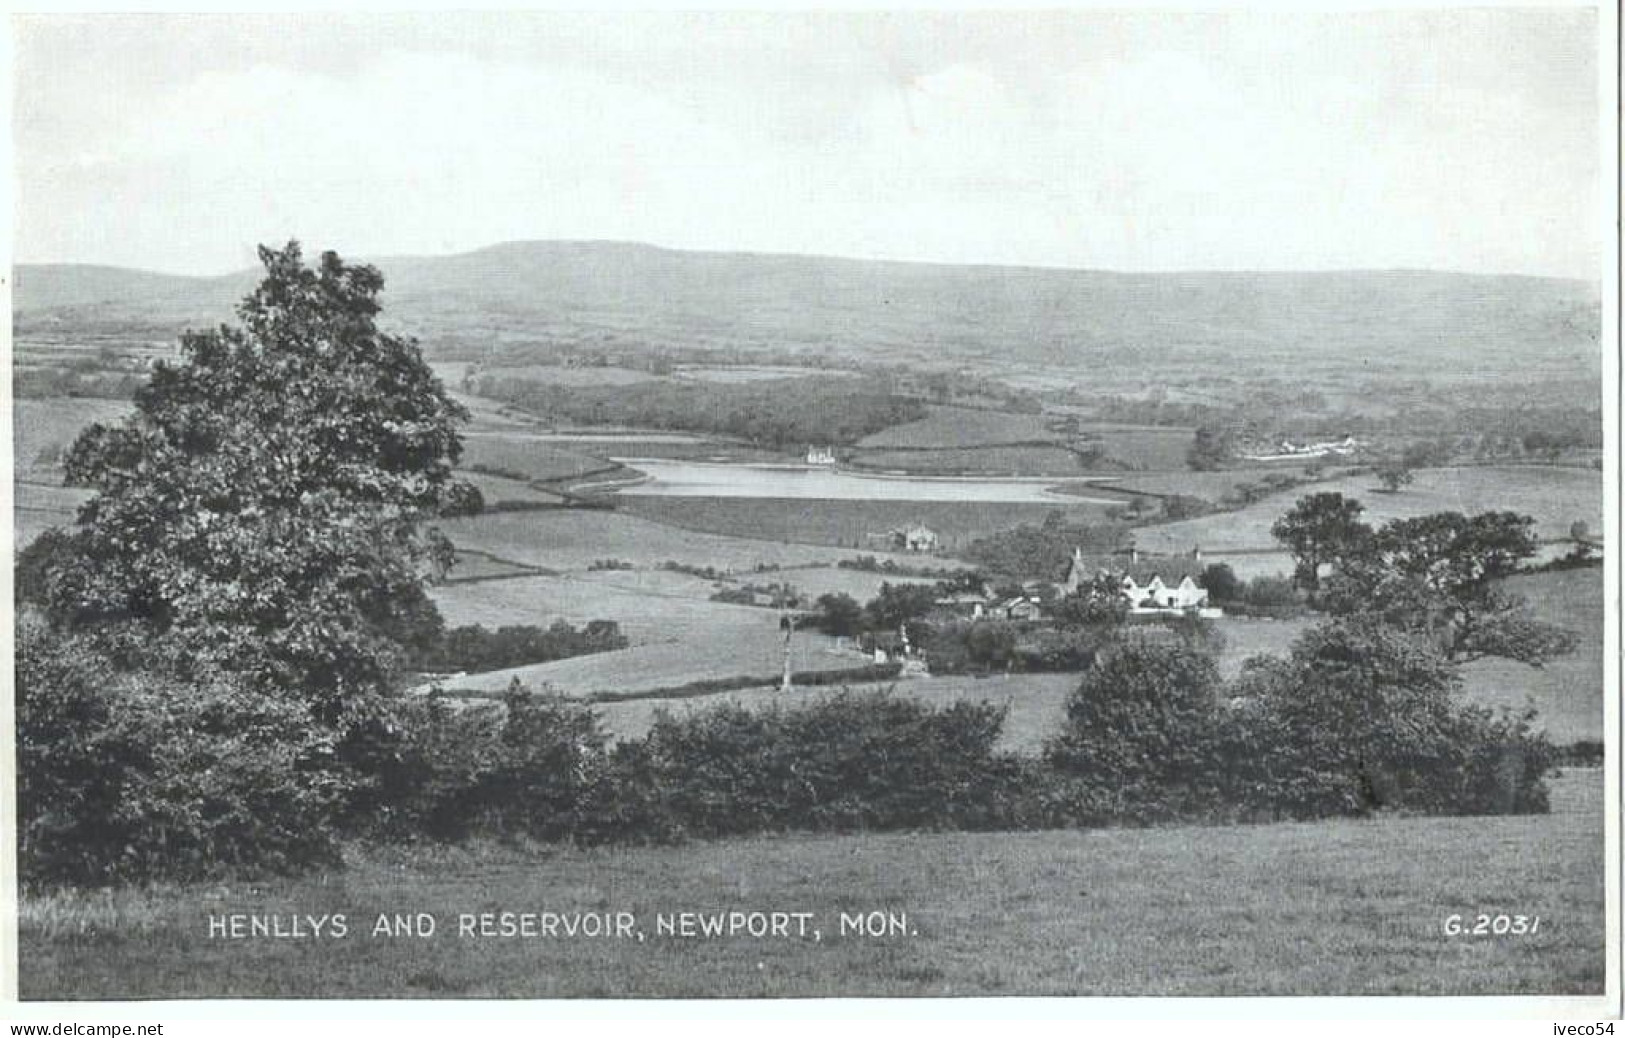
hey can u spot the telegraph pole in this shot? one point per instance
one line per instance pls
(787, 623)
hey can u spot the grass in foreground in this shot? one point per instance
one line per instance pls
(1340, 907)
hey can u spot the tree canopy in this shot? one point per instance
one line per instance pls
(261, 512)
(1320, 529)
(1441, 576)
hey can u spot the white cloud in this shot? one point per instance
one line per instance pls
(1091, 140)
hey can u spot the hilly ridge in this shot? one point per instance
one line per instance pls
(639, 297)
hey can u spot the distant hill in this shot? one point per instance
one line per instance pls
(636, 297)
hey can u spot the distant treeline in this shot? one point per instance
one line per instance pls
(778, 412)
(1040, 552)
(476, 649)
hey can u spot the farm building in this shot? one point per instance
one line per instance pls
(965, 605)
(820, 456)
(1021, 607)
(1142, 583)
(913, 537)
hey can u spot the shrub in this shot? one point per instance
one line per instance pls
(129, 776)
(1137, 726)
(846, 761)
(475, 648)
(1361, 717)
(449, 771)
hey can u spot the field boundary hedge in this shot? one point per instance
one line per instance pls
(867, 674)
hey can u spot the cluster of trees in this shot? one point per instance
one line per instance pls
(1041, 552)
(245, 587)
(1358, 717)
(1436, 576)
(777, 413)
(475, 648)
(1075, 626)
(1263, 595)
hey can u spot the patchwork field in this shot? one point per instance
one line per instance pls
(521, 455)
(1151, 448)
(826, 580)
(37, 507)
(650, 607)
(751, 373)
(1326, 908)
(1554, 496)
(498, 490)
(748, 646)
(946, 427)
(1211, 486)
(1036, 703)
(571, 539)
(1569, 692)
(563, 376)
(43, 429)
(847, 523)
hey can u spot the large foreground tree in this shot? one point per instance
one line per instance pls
(261, 513)
(1443, 576)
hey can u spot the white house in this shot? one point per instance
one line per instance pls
(1143, 586)
(820, 456)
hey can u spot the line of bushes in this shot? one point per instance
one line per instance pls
(121, 779)
(1356, 720)
(475, 648)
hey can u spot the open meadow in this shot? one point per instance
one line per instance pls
(572, 539)
(43, 429)
(677, 635)
(649, 605)
(729, 652)
(1342, 907)
(36, 507)
(948, 427)
(518, 454)
(1556, 497)
(1569, 691)
(1036, 703)
(848, 523)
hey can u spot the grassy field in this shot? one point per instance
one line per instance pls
(753, 646)
(1569, 691)
(946, 427)
(1036, 702)
(1325, 908)
(650, 607)
(43, 429)
(1152, 448)
(562, 376)
(846, 523)
(37, 507)
(530, 458)
(1554, 496)
(498, 490)
(737, 373)
(825, 580)
(1211, 486)
(572, 539)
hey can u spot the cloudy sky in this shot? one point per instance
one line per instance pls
(1462, 140)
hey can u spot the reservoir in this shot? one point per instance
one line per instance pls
(670, 478)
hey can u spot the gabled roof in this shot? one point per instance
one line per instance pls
(1171, 570)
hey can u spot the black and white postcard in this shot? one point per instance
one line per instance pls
(916, 505)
